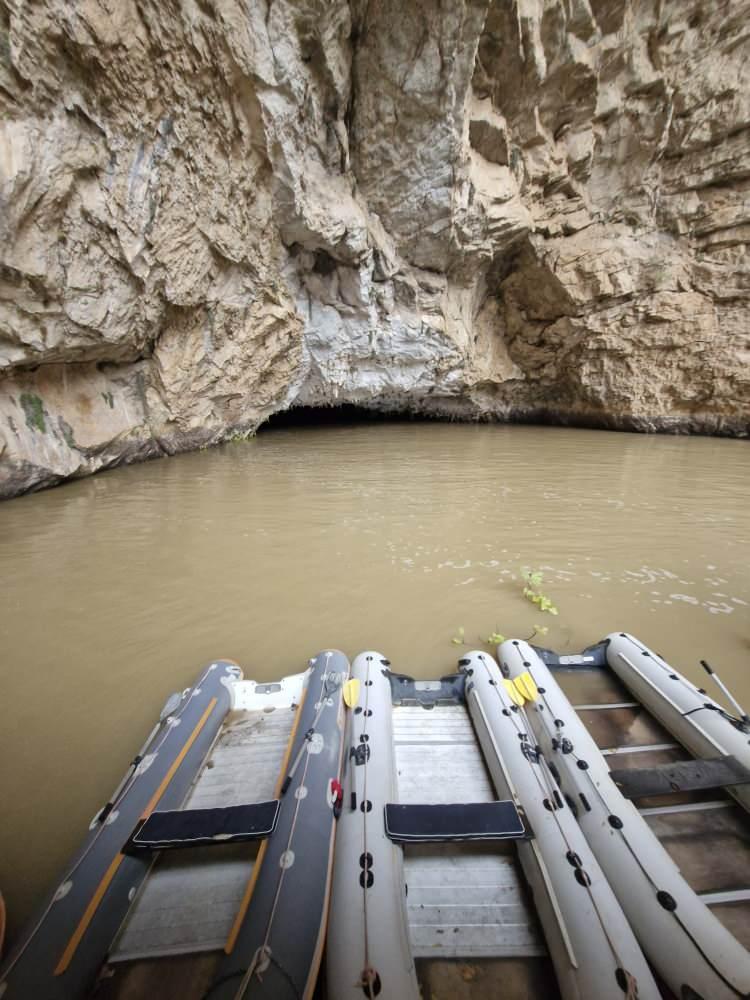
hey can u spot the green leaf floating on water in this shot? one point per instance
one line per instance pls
(532, 592)
(495, 639)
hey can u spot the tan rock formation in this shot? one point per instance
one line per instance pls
(482, 208)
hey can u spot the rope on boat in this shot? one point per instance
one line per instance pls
(549, 792)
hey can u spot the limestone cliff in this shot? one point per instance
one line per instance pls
(211, 210)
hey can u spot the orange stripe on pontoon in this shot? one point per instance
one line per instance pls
(250, 887)
(96, 899)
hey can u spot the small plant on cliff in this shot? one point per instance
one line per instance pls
(458, 638)
(532, 591)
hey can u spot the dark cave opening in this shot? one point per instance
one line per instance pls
(346, 414)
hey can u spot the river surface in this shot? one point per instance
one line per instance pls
(118, 588)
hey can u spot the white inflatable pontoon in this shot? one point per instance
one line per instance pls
(685, 942)
(688, 713)
(593, 948)
(369, 951)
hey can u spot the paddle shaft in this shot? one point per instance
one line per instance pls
(737, 707)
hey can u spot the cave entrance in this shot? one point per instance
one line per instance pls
(325, 416)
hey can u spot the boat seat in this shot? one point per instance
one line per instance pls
(682, 776)
(421, 824)
(201, 827)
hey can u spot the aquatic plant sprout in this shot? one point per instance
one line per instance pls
(532, 591)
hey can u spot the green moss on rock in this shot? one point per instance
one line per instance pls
(33, 409)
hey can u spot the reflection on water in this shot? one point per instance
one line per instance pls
(118, 588)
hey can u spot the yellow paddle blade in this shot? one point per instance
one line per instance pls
(351, 692)
(515, 695)
(526, 686)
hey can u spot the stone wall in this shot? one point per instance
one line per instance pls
(211, 210)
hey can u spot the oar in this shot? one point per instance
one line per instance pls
(515, 695)
(351, 697)
(738, 708)
(526, 685)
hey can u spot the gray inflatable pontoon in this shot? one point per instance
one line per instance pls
(369, 952)
(689, 714)
(592, 946)
(685, 942)
(59, 955)
(276, 944)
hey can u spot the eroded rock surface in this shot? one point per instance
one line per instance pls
(477, 208)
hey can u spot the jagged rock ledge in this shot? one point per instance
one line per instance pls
(491, 210)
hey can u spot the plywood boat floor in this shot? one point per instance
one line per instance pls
(464, 899)
(712, 849)
(592, 687)
(736, 918)
(189, 902)
(624, 727)
(186, 977)
(510, 978)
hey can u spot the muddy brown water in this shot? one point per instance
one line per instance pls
(118, 588)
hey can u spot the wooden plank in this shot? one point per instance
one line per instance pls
(680, 776)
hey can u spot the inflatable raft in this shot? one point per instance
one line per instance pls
(691, 950)
(369, 952)
(60, 954)
(687, 712)
(276, 943)
(203, 780)
(592, 946)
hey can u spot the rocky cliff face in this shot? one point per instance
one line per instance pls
(212, 210)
